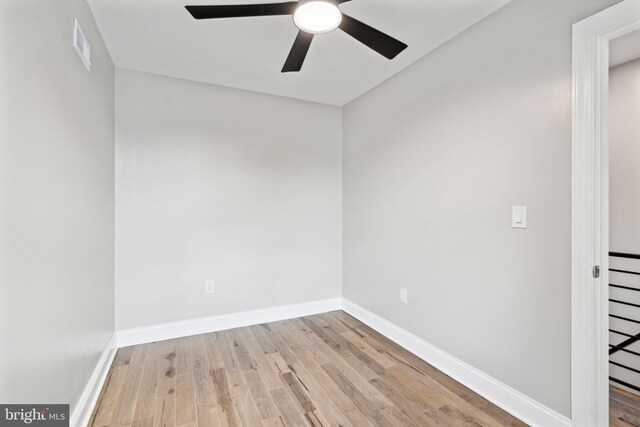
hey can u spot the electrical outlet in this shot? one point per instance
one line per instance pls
(403, 296)
(209, 286)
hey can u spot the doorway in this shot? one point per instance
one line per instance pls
(624, 230)
(590, 210)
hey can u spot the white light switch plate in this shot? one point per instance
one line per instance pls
(519, 217)
(403, 296)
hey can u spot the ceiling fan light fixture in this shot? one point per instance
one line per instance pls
(317, 16)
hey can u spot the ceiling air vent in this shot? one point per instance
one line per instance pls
(81, 44)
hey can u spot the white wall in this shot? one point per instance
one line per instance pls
(624, 205)
(434, 160)
(223, 184)
(56, 202)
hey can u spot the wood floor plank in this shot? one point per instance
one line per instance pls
(336, 343)
(125, 405)
(314, 351)
(185, 400)
(224, 348)
(410, 408)
(165, 411)
(333, 322)
(203, 384)
(310, 385)
(298, 394)
(624, 397)
(206, 409)
(380, 358)
(286, 407)
(240, 349)
(247, 410)
(260, 334)
(145, 403)
(330, 412)
(143, 422)
(426, 397)
(357, 419)
(123, 356)
(300, 337)
(260, 394)
(262, 365)
(312, 419)
(273, 422)
(167, 367)
(108, 399)
(200, 368)
(198, 350)
(305, 357)
(401, 418)
(630, 419)
(277, 363)
(225, 398)
(282, 347)
(624, 408)
(286, 335)
(331, 389)
(438, 395)
(184, 360)
(323, 370)
(351, 323)
(370, 409)
(462, 418)
(347, 370)
(213, 351)
(298, 382)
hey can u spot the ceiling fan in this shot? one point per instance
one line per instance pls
(311, 17)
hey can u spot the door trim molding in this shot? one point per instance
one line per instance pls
(590, 216)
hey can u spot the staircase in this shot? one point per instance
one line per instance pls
(624, 322)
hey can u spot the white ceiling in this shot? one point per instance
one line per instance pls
(159, 36)
(624, 49)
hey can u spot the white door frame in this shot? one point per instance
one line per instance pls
(590, 211)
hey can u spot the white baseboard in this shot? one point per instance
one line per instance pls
(185, 328)
(82, 410)
(507, 398)
(512, 401)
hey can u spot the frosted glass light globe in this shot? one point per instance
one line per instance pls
(317, 17)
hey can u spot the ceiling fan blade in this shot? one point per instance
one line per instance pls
(242, 10)
(385, 45)
(342, 1)
(298, 52)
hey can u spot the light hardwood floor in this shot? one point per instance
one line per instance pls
(322, 370)
(624, 408)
